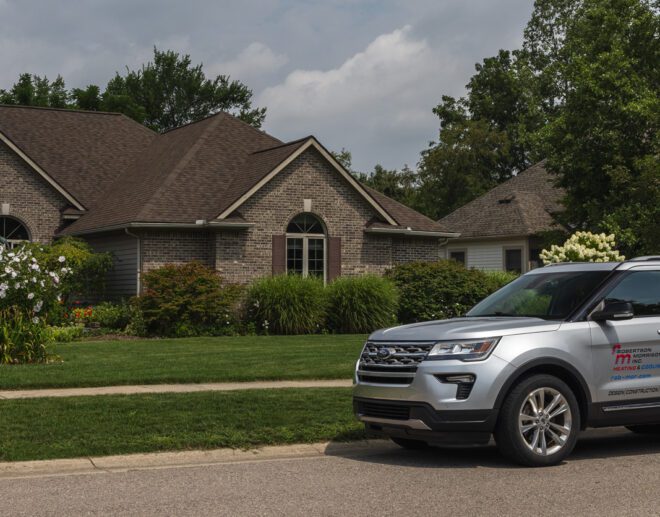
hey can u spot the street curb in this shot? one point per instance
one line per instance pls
(170, 388)
(161, 460)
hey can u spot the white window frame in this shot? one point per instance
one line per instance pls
(305, 238)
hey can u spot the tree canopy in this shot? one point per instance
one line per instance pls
(165, 93)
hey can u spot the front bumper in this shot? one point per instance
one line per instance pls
(431, 409)
(419, 420)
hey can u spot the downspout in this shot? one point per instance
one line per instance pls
(443, 243)
(139, 260)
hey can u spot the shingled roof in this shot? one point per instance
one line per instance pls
(82, 151)
(521, 206)
(123, 174)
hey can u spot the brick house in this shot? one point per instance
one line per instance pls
(218, 191)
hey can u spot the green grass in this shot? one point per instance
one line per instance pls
(33, 429)
(191, 360)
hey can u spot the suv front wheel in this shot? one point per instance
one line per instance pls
(539, 422)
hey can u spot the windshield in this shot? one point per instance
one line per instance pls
(551, 296)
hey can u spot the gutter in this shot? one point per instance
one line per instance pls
(174, 226)
(412, 233)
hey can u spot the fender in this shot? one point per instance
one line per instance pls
(549, 361)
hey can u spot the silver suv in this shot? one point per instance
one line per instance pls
(561, 348)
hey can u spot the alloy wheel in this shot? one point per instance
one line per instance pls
(545, 421)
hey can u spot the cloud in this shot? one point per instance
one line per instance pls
(373, 98)
(253, 61)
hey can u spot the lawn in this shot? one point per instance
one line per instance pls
(95, 426)
(191, 360)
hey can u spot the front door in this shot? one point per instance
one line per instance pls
(627, 353)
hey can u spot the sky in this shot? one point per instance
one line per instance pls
(363, 75)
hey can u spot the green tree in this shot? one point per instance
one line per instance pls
(169, 92)
(605, 145)
(88, 99)
(466, 163)
(33, 90)
(399, 185)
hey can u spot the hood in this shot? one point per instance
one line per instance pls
(464, 328)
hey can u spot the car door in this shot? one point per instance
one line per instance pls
(626, 353)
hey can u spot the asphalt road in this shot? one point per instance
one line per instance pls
(611, 472)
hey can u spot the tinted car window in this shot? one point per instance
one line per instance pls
(642, 289)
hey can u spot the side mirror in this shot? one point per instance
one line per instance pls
(614, 311)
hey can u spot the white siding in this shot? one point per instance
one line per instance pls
(488, 254)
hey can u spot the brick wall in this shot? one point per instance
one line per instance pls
(31, 199)
(414, 249)
(160, 247)
(243, 255)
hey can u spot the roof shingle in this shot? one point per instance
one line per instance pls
(523, 205)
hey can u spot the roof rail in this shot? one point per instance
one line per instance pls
(645, 259)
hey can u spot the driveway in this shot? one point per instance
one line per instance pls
(612, 472)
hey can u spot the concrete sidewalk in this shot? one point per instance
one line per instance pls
(171, 388)
(159, 460)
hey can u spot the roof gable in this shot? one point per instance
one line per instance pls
(289, 153)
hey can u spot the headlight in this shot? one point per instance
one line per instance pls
(465, 350)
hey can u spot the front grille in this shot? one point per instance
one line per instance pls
(396, 358)
(383, 410)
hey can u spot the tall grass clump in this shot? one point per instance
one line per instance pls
(360, 305)
(286, 304)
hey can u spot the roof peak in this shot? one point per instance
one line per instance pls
(66, 110)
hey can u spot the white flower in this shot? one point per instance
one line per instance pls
(62, 259)
(35, 320)
(30, 296)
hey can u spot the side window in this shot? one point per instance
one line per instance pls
(642, 289)
(458, 256)
(513, 260)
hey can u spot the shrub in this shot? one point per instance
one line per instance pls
(89, 268)
(112, 316)
(361, 304)
(498, 279)
(28, 291)
(187, 300)
(438, 290)
(286, 304)
(66, 334)
(583, 247)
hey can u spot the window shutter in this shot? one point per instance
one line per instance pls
(279, 254)
(334, 258)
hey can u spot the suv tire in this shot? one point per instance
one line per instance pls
(407, 443)
(539, 422)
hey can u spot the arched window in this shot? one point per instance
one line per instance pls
(306, 246)
(12, 232)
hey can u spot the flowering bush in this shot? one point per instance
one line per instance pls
(27, 292)
(80, 315)
(583, 247)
